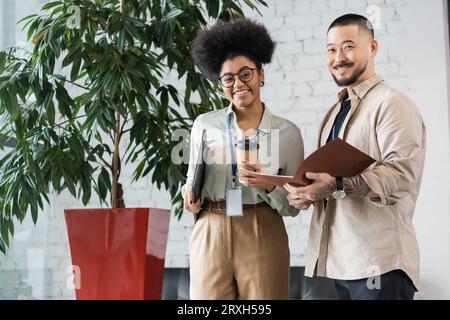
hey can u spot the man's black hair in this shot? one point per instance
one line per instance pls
(353, 19)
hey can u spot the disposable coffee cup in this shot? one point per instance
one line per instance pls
(246, 153)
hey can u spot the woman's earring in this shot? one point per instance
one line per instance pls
(261, 83)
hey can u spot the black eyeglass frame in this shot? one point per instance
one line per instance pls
(234, 77)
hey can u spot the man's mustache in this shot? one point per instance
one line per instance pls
(341, 65)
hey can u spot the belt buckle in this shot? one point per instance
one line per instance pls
(222, 210)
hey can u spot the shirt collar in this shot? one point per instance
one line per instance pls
(230, 109)
(266, 122)
(361, 89)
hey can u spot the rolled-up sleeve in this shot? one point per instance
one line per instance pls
(401, 137)
(194, 141)
(293, 152)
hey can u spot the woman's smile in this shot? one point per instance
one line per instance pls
(240, 93)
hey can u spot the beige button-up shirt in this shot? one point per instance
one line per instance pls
(357, 238)
(281, 152)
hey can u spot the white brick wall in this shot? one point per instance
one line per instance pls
(298, 86)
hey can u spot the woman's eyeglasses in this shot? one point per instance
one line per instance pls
(245, 75)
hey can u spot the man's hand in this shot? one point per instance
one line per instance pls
(188, 204)
(322, 187)
(250, 180)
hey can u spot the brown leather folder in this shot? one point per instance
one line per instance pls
(337, 158)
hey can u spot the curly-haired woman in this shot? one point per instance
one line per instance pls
(239, 245)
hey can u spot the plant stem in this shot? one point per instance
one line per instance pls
(125, 121)
(65, 121)
(76, 84)
(117, 136)
(115, 176)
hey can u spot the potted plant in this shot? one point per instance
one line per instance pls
(95, 73)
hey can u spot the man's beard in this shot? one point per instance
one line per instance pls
(352, 79)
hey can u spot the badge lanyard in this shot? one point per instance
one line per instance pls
(234, 195)
(233, 160)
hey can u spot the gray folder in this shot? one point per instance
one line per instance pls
(199, 173)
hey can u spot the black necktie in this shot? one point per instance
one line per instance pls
(339, 121)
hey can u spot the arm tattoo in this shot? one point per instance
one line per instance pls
(356, 187)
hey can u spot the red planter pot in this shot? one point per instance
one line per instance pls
(118, 253)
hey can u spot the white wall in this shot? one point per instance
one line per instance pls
(447, 63)
(427, 70)
(298, 86)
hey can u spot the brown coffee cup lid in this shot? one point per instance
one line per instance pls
(247, 144)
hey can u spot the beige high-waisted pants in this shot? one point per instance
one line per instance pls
(239, 257)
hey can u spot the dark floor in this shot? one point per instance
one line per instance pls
(176, 285)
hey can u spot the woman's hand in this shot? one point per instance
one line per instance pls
(250, 180)
(188, 204)
(297, 202)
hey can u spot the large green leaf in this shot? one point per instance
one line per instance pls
(50, 5)
(213, 7)
(173, 14)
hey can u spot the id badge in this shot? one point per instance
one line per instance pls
(234, 202)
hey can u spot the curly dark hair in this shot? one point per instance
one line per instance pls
(229, 39)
